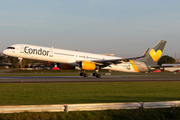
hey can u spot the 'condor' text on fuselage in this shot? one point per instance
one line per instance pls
(39, 51)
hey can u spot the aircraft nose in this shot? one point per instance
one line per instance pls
(5, 52)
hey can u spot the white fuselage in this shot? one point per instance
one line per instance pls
(63, 56)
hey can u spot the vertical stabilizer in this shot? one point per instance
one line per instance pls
(155, 53)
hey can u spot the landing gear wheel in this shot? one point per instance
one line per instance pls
(98, 75)
(81, 74)
(85, 75)
(94, 74)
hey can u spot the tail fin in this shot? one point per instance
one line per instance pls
(154, 54)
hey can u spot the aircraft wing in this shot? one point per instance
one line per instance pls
(166, 66)
(116, 61)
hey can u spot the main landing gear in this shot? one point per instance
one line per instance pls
(97, 75)
(86, 74)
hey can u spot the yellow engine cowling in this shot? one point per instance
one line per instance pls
(85, 65)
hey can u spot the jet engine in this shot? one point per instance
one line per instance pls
(85, 65)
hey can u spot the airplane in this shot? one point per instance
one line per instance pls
(89, 61)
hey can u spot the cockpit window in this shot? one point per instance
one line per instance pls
(10, 47)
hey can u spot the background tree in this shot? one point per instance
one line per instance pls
(3, 58)
(166, 59)
(14, 61)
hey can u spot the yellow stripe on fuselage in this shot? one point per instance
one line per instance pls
(134, 66)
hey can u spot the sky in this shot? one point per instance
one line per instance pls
(125, 28)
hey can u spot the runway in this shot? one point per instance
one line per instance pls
(116, 78)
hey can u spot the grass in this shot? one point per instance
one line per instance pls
(64, 93)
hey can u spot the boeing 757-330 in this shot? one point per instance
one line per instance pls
(89, 61)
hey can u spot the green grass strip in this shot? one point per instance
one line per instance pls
(64, 93)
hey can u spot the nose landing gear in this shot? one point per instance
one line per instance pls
(20, 62)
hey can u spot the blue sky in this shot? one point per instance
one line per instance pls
(125, 28)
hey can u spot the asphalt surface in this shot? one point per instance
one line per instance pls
(118, 78)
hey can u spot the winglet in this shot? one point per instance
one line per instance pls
(145, 53)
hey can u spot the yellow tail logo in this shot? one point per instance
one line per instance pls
(155, 55)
